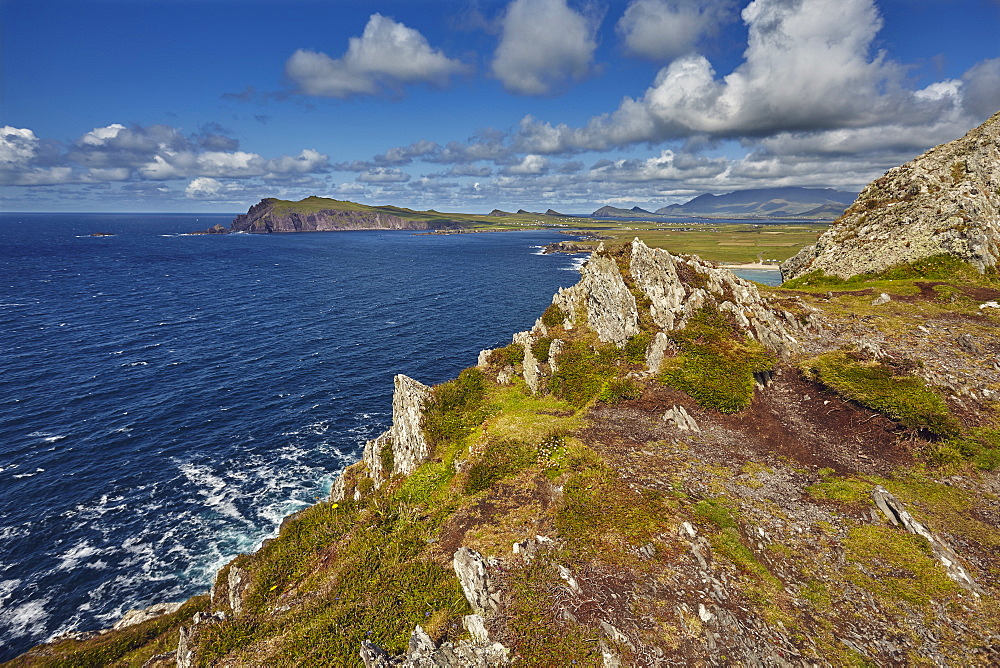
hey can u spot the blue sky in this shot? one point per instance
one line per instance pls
(470, 105)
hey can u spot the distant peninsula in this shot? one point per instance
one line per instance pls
(758, 203)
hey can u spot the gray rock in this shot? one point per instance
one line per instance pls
(133, 617)
(236, 585)
(883, 298)
(657, 350)
(941, 202)
(896, 513)
(405, 437)
(680, 418)
(967, 343)
(470, 567)
(555, 348)
(604, 298)
(529, 366)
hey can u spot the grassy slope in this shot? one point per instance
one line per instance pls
(783, 506)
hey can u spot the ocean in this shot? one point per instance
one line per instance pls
(166, 399)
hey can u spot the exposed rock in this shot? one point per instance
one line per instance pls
(474, 652)
(896, 513)
(658, 348)
(680, 418)
(883, 298)
(967, 343)
(133, 617)
(604, 299)
(529, 366)
(483, 360)
(405, 437)
(555, 348)
(237, 582)
(475, 580)
(310, 215)
(945, 201)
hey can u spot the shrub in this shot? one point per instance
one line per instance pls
(508, 355)
(582, 373)
(455, 407)
(620, 389)
(500, 459)
(636, 346)
(717, 362)
(540, 348)
(904, 398)
(553, 316)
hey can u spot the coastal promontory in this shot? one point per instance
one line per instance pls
(321, 214)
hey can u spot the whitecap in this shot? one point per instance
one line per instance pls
(27, 619)
(73, 556)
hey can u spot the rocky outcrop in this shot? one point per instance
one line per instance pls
(603, 300)
(133, 617)
(403, 447)
(945, 201)
(272, 215)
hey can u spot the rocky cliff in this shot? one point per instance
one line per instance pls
(947, 201)
(271, 215)
(673, 466)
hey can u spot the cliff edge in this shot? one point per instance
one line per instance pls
(946, 201)
(318, 214)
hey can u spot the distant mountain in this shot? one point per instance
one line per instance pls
(552, 212)
(499, 213)
(636, 209)
(613, 212)
(790, 202)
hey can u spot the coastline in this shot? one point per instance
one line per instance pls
(752, 265)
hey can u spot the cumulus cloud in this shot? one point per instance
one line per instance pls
(808, 67)
(155, 153)
(384, 175)
(387, 55)
(529, 164)
(665, 29)
(544, 45)
(203, 187)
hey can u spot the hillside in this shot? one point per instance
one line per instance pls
(944, 201)
(320, 214)
(790, 202)
(688, 471)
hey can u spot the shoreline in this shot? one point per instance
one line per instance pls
(752, 265)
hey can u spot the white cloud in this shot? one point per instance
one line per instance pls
(544, 45)
(386, 55)
(99, 136)
(530, 164)
(17, 145)
(384, 175)
(808, 67)
(203, 187)
(666, 29)
(307, 161)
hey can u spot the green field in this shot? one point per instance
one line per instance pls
(716, 242)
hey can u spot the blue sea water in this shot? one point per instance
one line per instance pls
(166, 399)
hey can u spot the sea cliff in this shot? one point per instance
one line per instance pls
(317, 214)
(671, 466)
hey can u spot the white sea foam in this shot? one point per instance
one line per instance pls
(7, 587)
(27, 619)
(71, 558)
(575, 264)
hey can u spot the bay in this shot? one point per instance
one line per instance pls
(166, 399)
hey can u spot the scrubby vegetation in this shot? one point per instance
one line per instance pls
(903, 397)
(717, 362)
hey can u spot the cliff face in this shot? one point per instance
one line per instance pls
(267, 217)
(672, 466)
(945, 201)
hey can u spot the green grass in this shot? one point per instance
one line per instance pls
(902, 397)
(582, 372)
(717, 362)
(512, 355)
(500, 459)
(456, 407)
(896, 565)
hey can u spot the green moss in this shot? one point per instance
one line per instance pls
(635, 348)
(717, 362)
(455, 407)
(980, 446)
(620, 389)
(728, 544)
(553, 316)
(896, 565)
(499, 460)
(429, 480)
(581, 372)
(716, 511)
(540, 348)
(904, 398)
(844, 490)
